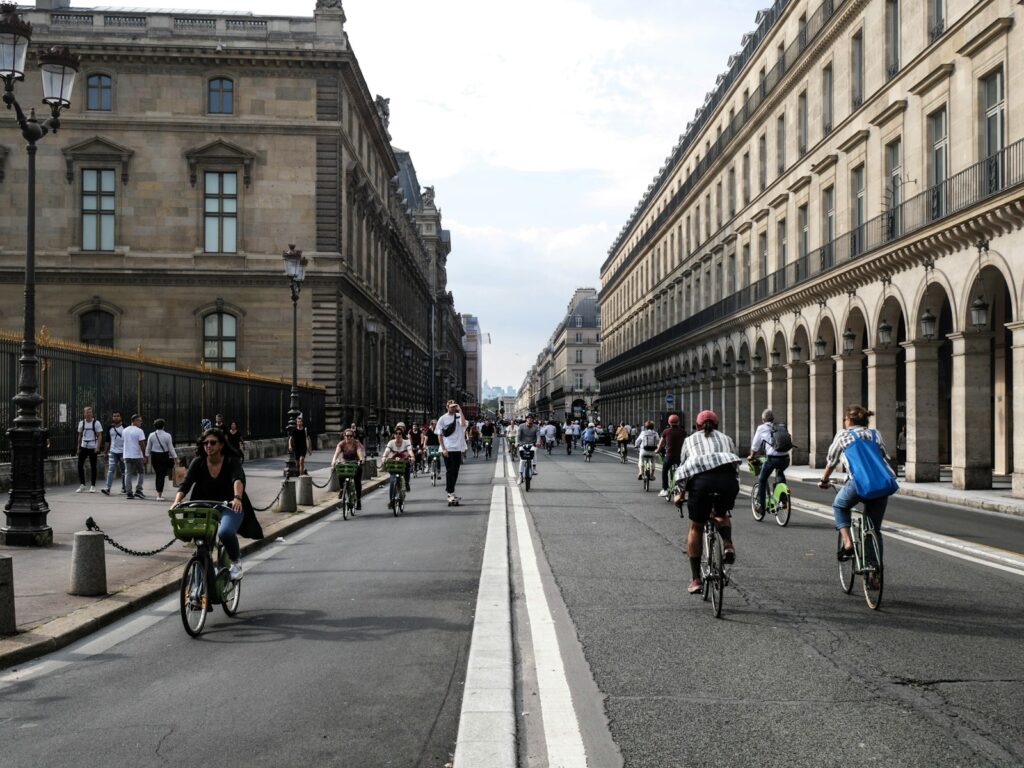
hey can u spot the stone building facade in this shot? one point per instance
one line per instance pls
(473, 344)
(840, 223)
(198, 147)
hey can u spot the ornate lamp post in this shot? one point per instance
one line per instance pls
(26, 509)
(295, 268)
(372, 329)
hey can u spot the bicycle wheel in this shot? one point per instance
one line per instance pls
(758, 515)
(872, 577)
(647, 480)
(717, 567)
(846, 568)
(230, 592)
(526, 479)
(344, 501)
(194, 596)
(705, 567)
(782, 509)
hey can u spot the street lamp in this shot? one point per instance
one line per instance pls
(885, 333)
(295, 269)
(928, 324)
(776, 357)
(794, 353)
(372, 329)
(849, 337)
(26, 509)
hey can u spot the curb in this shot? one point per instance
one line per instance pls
(64, 630)
(970, 502)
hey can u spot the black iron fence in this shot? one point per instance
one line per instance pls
(72, 376)
(989, 177)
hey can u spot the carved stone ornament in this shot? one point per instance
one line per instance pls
(428, 197)
(329, 5)
(383, 109)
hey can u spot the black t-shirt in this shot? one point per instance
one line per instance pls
(206, 488)
(234, 440)
(432, 438)
(487, 430)
(674, 438)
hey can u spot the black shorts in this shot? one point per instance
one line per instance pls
(713, 491)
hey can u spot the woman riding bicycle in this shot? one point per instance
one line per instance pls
(708, 471)
(647, 442)
(350, 449)
(622, 435)
(399, 448)
(216, 475)
(855, 427)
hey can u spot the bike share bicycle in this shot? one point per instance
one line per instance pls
(647, 471)
(777, 501)
(434, 461)
(206, 580)
(487, 447)
(396, 490)
(526, 454)
(346, 473)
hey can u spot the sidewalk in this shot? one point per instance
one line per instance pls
(49, 618)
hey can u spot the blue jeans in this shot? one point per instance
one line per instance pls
(227, 531)
(114, 462)
(770, 464)
(393, 483)
(847, 498)
(134, 468)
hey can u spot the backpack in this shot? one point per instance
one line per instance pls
(781, 439)
(650, 441)
(871, 472)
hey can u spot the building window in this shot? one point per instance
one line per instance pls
(936, 19)
(826, 100)
(828, 215)
(220, 212)
(857, 209)
(804, 232)
(707, 215)
(746, 178)
(98, 93)
(579, 321)
(579, 355)
(579, 338)
(745, 273)
(893, 169)
(780, 261)
(780, 143)
(719, 209)
(802, 124)
(578, 380)
(892, 37)
(221, 96)
(762, 162)
(938, 154)
(96, 327)
(220, 340)
(857, 69)
(992, 129)
(696, 226)
(762, 255)
(98, 209)
(732, 192)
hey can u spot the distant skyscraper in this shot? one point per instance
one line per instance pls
(473, 344)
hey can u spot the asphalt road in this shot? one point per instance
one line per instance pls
(349, 650)
(796, 673)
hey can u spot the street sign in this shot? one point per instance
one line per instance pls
(670, 399)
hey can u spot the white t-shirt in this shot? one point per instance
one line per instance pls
(457, 440)
(132, 437)
(162, 442)
(115, 432)
(90, 431)
(647, 441)
(549, 431)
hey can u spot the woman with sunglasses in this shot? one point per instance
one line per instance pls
(350, 449)
(216, 474)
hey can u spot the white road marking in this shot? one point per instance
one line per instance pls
(558, 715)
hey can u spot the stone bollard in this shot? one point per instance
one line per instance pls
(8, 626)
(369, 469)
(335, 484)
(304, 490)
(287, 502)
(88, 565)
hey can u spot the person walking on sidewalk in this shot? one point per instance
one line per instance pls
(134, 457)
(299, 444)
(115, 453)
(160, 450)
(90, 441)
(451, 428)
(234, 438)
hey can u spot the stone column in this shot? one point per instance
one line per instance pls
(742, 411)
(847, 382)
(758, 395)
(922, 411)
(882, 393)
(777, 397)
(822, 427)
(1018, 409)
(798, 411)
(727, 407)
(972, 410)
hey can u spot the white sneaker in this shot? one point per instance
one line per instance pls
(80, 489)
(92, 489)
(235, 571)
(520, 480)
(160, 498)
(663, 493)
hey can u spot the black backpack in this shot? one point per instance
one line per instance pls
(782, 441)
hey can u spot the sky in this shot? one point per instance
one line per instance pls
(539, 123)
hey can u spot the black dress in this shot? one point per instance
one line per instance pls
(205, 487)
(300, 441)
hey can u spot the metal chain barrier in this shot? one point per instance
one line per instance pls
(326, 482)
(279, 492)
(90, 524)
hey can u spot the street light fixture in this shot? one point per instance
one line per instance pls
(372, 329)
(928, 324)
(885, 333)
(776, 357)
(849, 337)
(820, 347)
(794, 353)
(295, 268)
(26, 509)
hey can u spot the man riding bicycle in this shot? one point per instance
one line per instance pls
(708, 473)
(590, 437)
(647, 442)
(776, 453)
(526, 435)
(670, 444)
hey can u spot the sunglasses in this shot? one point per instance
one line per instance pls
(211, 442)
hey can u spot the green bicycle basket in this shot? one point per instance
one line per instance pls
(193, 523)
(395, 466)
(345, 469)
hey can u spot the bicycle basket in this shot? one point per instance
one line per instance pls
(192, 523)
(395, 466)
(432, 451)
(754, 465)
(344, 469)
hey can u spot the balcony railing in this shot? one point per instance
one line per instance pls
(991, 176)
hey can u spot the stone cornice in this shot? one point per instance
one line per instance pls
(854, 141)
(760, 215)
(779, 200)
(990, 33)
(744, 227)
(932, 79)
(887, 114)
(799, 184)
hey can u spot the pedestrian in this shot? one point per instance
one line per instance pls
(234, 437)
(160, 450)
(350, 449)
(901, 448)
(115, 453)
(134, 457)
(218, 422)
(298, 444)
(89, 441)
(451, 428)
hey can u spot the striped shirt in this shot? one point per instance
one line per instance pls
(846, 436)
(702, 453)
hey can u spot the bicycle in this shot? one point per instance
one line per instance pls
(647, 471)
(434, 459)
(346, 472)
(526, 464)
(622, 452)
(549, 444)
(397, 469)
(206, 580)
(476, 447)
(712, 565)
(588, 451)
(866, 561)
(487, 447)
(777, 501)
(671, 479)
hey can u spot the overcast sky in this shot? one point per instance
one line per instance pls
(540, 123)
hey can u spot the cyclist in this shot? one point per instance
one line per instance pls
(647, 442)
(487, 431)
(855, 427)
(527, 435)
(350, 449)
(550, 433)
(670, 445)
(430, 442)
(398, 448)
(708, 465)
(415, 439)
(775, 460)
(216, 474)
(473, 437)
(590, 437)
(622, 435)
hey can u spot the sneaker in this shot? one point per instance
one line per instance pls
(139, 495)
(131, 496)
(844, 554)
(359, 505)
(235, 571)
(391, 504)
(520, 482)
(696, 586)
(105, 491)
(730, 554)
(124, 491)
(92, 489)
(80, 489)
(160, 498)
(663, 492)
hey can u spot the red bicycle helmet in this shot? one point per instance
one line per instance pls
(705, 416)
(673, 419)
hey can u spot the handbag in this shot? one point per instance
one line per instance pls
(179, 475)
(871, 473)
